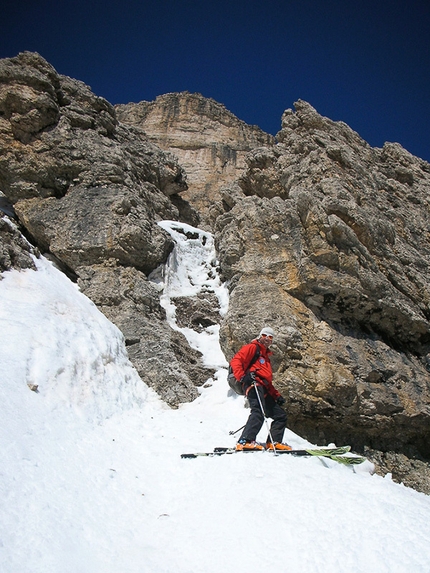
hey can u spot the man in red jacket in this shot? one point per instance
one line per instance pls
(256, 376)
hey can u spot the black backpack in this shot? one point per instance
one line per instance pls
(235, 384)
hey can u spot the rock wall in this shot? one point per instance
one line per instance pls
(89, 191)
(326, 239)
(209, 141)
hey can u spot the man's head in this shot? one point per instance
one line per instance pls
(266, 336)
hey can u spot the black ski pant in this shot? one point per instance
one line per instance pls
(256, 418)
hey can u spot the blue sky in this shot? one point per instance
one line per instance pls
(363, 62)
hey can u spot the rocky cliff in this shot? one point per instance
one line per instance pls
(210, 143)
(318, 234)
(327, 240)
(88, 192)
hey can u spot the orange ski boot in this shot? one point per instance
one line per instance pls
(278, 447)
(244, 446)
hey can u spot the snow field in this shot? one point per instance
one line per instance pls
(91, 479)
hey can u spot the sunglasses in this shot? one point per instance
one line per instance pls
(269, 336)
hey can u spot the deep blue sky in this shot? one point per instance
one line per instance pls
(365, 62)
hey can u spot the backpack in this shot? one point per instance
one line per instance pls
(235, 384)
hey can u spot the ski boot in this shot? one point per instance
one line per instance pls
(277, 446)
(244, 446)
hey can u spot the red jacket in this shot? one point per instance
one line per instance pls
(262, 366)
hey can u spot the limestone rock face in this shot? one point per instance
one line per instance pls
(90, 191)
(209, 141)
(327, 240)
(90, 225)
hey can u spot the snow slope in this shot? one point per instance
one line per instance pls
(91, 479)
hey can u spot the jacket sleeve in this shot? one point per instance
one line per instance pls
(240, 361)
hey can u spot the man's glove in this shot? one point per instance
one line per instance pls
(248, 379)
(280, 400)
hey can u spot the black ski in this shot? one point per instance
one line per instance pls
(336, 454)
(326, 452)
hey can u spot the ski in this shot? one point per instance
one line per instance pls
(327, 452)
(348, 460)
(336, 454)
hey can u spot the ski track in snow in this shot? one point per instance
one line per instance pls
(91, 479)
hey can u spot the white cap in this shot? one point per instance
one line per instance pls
(266, 330)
